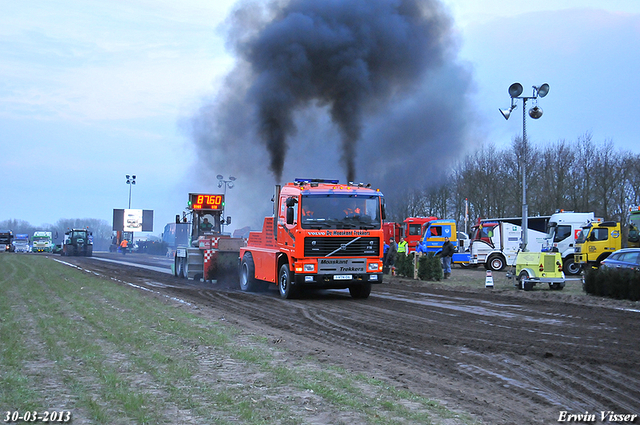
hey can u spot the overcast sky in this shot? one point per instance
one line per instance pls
(92, 90)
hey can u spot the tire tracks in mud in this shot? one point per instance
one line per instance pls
(506, 360)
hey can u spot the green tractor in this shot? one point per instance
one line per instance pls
(77, 242)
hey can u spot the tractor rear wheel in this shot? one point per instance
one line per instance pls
(180, 272)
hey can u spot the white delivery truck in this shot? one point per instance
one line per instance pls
(563, 229)
(42, 242)
(495, 242)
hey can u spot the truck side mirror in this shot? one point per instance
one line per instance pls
(228, 220)
(177, 218)
(289, 214)
(384, 209)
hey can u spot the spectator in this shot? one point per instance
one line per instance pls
(403, 246)
(445, 255)
(392, 252)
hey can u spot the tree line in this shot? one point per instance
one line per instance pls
(580, 176)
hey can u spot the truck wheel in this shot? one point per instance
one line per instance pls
(248, 281)
(496, 263)
(284, 283)
(571, 267)
(360, 291)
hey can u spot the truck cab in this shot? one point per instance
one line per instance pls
(6, 241)
(564, 227)
(415, 230)
(42, 242)
(322, 235)
(597, 241)
(21, 243)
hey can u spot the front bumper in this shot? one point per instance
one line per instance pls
(331, 282)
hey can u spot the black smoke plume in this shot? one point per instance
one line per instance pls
(324, 88)
(347, 55)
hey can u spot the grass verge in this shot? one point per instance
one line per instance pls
(109, 353)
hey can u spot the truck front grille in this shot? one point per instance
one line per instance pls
(341, 247)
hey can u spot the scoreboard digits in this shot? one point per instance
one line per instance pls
(201, 201)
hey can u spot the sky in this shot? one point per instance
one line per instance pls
(92, 91)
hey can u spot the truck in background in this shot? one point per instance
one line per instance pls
(495, 243)
(42, 242)
(415, 230)
(563, 229)
(392, 230)
(6, 241)
(633, 234)
(433, 236)
(21, 243)
(597, 240)
(322, 235)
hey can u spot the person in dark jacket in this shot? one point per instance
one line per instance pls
(445, 255)
(392, 252)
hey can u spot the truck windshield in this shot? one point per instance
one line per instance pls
(583, 234)
(40, 238)
(558, 233)
(340, 211)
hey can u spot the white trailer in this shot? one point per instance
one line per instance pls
(496, 242)
(563, 230)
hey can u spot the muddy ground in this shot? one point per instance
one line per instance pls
(504, 356)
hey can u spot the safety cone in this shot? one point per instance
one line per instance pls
(488, 282)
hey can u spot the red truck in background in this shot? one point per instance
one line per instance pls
(322, 235)
(414, 229)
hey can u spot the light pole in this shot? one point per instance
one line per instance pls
(226, 183)
(131, 180)
(515, 90)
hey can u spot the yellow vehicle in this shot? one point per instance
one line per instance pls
(596, 242)
(539, 267)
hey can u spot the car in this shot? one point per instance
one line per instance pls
(626, 258)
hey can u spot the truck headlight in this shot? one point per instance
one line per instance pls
(373, 267)
(309, 267)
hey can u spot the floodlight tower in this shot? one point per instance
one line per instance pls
(226, 183)
(515, 90)
(131, 180)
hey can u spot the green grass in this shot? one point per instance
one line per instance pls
(112, 354)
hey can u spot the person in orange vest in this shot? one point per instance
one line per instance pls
(123, 246)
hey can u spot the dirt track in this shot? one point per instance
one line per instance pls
(503, 356)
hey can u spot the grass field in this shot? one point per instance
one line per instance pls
(111, 354)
